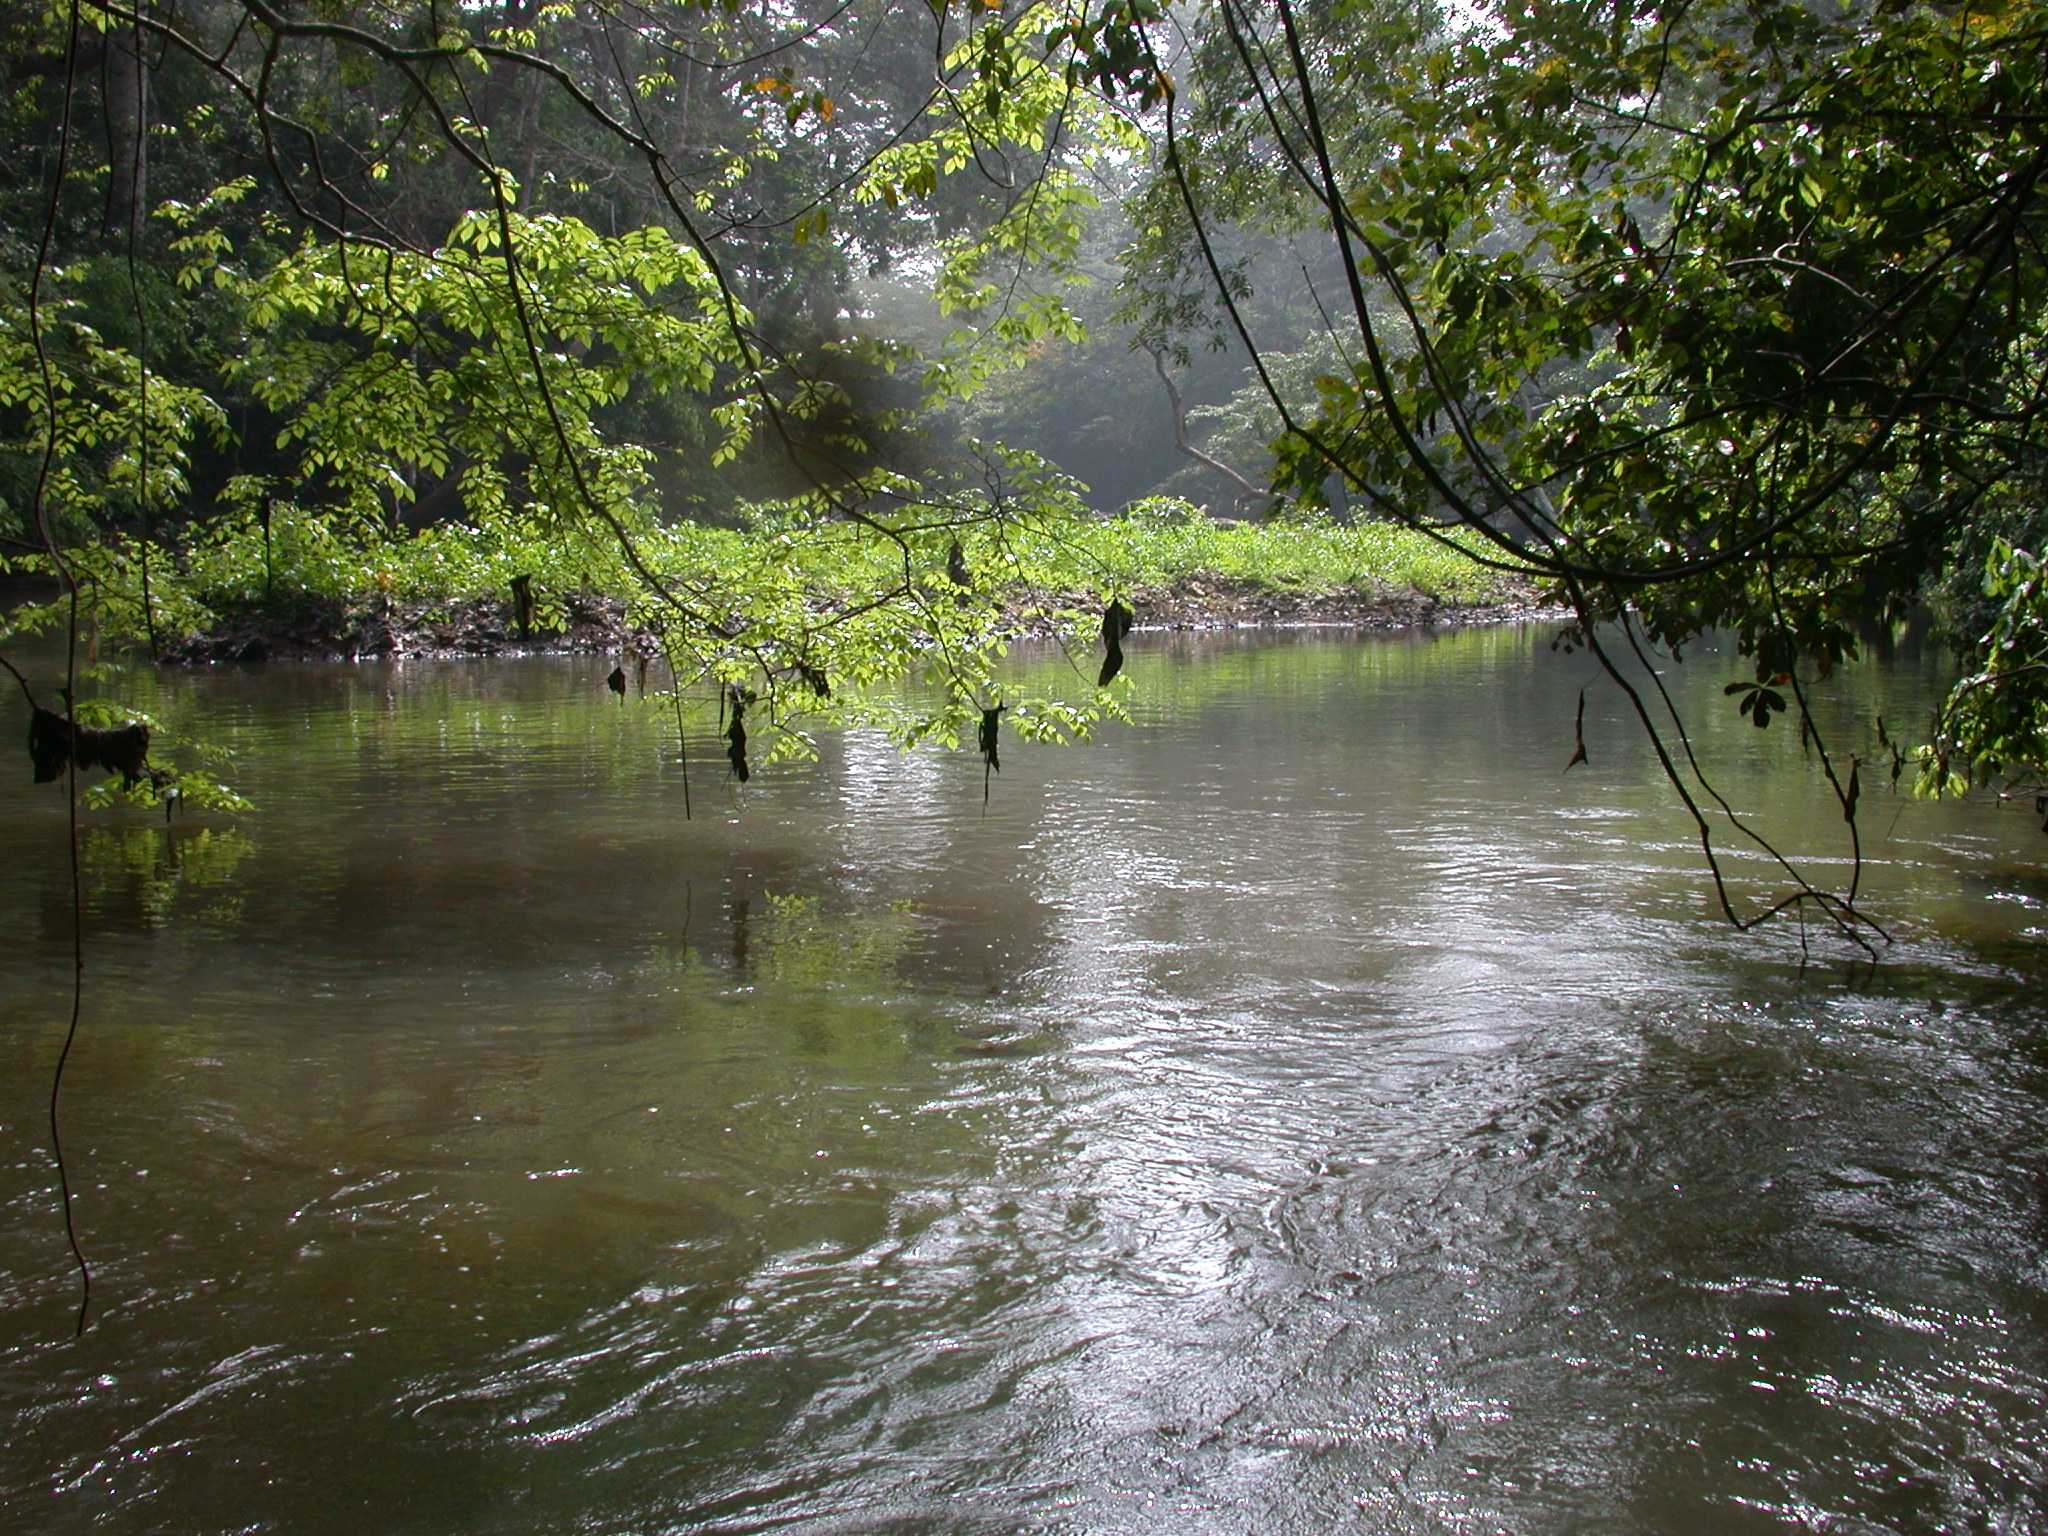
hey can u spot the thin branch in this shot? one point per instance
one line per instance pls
(40, 517)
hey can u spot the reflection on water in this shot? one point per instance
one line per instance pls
(1307, 1110)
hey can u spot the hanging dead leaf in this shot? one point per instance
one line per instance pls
(736, 735)
(1579, 733)
(1116, 623)
(991, 725)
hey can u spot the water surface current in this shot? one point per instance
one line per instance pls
(1308, 1109)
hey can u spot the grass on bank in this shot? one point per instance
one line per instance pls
(1166, 543)
(304, 562)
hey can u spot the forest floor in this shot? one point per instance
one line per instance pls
(380, 627)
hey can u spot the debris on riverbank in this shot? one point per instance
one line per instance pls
(1224, 603)
(380, 628)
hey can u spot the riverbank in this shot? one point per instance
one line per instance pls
(310, 592)
(382, 628)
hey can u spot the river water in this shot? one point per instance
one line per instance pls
(1306, 1110)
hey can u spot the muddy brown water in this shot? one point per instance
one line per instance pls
(1308, 1110)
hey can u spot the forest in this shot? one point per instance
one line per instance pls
(840, 401)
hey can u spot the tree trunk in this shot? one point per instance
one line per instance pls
(1246, 490)
(127, 103)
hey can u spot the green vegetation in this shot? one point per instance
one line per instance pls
(1722, 318)
(790, 326)
(1047, 578)
(1168, 543)
(315, 566)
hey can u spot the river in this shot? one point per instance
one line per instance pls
(1308, 1109)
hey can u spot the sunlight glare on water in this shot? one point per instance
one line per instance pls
(1309, 1109)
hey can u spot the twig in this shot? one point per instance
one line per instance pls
(40, 516)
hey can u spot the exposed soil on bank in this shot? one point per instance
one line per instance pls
(380, 628)
(1222, 603)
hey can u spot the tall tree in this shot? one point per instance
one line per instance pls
(126, 94)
